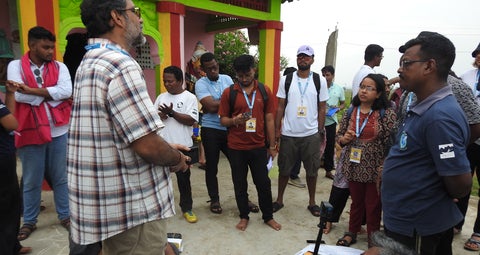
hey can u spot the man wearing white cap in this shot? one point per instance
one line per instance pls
(299, 125)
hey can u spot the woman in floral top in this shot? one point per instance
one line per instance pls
(365, 137)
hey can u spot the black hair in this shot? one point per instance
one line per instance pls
(372, 51)
(206, 57)
(329, 69)
(289, 70)
(244, 63)
(438, 47)
(96, 15)
(40, 33)
(176, 71)
(382, 101)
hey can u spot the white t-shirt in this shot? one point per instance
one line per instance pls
(470, 77)
(174, 131)
(364, 71)
(301, 126)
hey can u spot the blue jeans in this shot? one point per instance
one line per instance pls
(49, 160)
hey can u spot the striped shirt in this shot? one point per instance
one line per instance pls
(112, 189)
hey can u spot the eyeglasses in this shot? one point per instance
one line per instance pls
(300, 56)
(135, 10)
(407, 63)
(368, 88)
(38, 76)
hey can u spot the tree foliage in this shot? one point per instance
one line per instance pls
(228, 46)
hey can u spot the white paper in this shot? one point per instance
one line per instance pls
(270, 163)
(330, 250)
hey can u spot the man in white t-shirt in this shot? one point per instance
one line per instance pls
(373, 57)
(300, 123)
(178, 109)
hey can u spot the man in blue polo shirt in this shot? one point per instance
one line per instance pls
(427, 167)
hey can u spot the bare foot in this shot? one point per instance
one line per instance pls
(273, 224)
(242, 225)
(328, 227)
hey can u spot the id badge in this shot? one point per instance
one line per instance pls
(302, 111)
(250, 125)
(355, 155)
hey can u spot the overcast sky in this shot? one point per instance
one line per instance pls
(384, 22)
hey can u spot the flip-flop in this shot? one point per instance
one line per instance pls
(314, 210)
(25, 231)
(344, 242)
(215, 207)
(253, 207)
(276, 206)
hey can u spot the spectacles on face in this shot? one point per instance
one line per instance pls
(136, 10)
(305, 56)
(38, 75)
(368, 88)
(407, 63)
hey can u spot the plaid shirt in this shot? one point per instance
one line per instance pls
(112, 189)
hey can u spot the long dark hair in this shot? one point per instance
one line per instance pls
(382, 101)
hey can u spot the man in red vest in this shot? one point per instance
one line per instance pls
(43, 112)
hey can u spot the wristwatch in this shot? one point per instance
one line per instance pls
(170, 114)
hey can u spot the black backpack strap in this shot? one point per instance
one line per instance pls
(288, 82)
(316, 81)
(233, 97)
(261, 87)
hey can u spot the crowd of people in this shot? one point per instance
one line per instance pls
(108, 151)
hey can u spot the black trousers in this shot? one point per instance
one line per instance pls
(10, 202)
(329, 154)
(338, 199)
(256, 159)
(436, 244)
(214, 141)
(185, 189)
(473, 152)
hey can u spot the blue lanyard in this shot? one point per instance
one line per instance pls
(250, 103)
(476, 82)
(359, 131)
(302, 92)
(410, 96)
(106, 45)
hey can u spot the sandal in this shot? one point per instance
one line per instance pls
(473, 244)
(314, 210)
(215, 207)
(25, 231)
(253, 207)
(65, 223)
(276, 206)
(344, 242)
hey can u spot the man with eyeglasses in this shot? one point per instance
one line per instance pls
(427, 167)
(43, 110)
(299, 126)
(118, 164)
(373, 57)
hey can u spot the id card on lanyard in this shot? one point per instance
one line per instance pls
(251, 124)
(356, 151)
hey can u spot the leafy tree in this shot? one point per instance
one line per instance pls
(228, 46)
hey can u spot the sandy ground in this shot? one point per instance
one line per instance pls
(216, 234)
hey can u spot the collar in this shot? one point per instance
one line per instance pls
(438, 95)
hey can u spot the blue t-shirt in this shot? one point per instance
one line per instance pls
(431, 143)
(204, 88)
(7, 145)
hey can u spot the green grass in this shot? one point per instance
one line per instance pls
(475, 186)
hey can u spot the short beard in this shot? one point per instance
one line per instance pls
(304, 68)
(139, 41)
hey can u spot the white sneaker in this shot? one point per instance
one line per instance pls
(297, 183)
